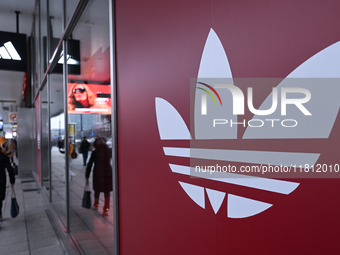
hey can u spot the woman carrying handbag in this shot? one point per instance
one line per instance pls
(5, 164)
(102, 173)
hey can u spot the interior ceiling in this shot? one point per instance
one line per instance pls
(11, 81)
(92, 31)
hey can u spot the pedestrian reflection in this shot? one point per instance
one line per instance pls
(102, 173)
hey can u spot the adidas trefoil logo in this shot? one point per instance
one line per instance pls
(214, 64)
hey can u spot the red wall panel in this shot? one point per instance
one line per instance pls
(159, 47)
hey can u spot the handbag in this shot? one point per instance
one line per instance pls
(15, 168)
(86, 203)
(14, 205)
(74, 154)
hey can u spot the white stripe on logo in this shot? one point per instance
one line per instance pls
(9, 52)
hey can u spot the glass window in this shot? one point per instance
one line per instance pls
(37, 74)
(56, 27)
(57, 146)
(44, 138)
(89, 107)
(71, 6)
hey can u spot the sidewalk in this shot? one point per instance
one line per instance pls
(31, 232)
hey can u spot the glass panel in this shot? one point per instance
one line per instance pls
(44, 32)
(56, 14)
(71, 6)
(89, 96)
(44, 138)
(43, 35)
(57, 146)
(32, 62)
(43, 98)
(37, 50)
(56, 29)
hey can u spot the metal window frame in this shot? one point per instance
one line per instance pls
(113, 75)
(49, 166)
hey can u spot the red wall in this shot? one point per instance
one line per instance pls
(159, 47)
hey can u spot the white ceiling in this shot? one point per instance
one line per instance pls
(10, 81)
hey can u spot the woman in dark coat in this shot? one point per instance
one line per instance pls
(5, 163)
(102, 173)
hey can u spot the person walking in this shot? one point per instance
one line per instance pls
(84, 149)
(5, 164)
(102, 173)
(71, 157)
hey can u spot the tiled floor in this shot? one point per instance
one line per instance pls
(31, 231)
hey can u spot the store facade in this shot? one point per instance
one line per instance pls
(74, 99)
(159, 69)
